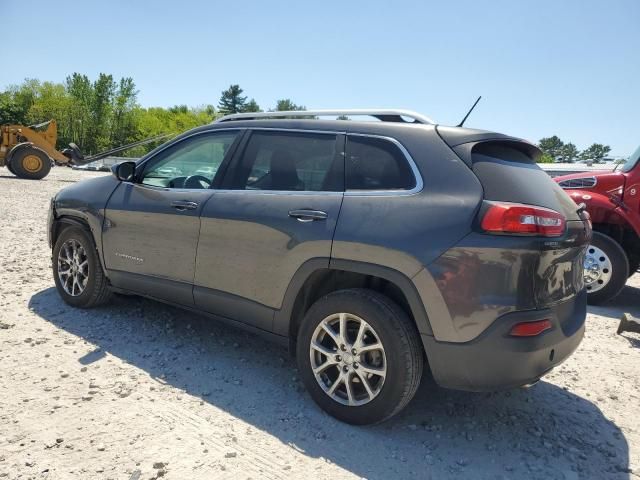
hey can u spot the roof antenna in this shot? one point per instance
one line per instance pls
(469, 112)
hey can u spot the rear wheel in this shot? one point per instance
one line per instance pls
(606, 269)
(31, 163)
(77, 272)
(359, 356)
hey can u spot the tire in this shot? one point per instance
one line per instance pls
(9, 167)
(606, 269)
(91, 287)
(401, 356)
(634, 265)
(31, 163)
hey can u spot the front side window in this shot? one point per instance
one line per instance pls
(376, 164)
(289, 161)
(192, 163)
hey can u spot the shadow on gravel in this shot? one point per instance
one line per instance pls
(543, 432)
(627, 302)
(635, 342)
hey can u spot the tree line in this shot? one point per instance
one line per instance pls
(104, 113)
(555, 150)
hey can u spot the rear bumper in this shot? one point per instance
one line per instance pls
(496, 361)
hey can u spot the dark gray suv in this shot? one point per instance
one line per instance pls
(374, 249)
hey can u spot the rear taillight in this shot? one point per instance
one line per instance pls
(520, 219)
(530, 329)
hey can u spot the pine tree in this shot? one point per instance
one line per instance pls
(232, 101)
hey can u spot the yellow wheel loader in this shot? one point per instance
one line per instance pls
(29, 152)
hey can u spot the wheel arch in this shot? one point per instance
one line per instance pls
(318, 277)
(65, 221)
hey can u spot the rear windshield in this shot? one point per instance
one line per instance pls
(508, 174)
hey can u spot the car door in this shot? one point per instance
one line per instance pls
(152, 224)
(277, 208)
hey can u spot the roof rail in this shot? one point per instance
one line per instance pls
(382, 115)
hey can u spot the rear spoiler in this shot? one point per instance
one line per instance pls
(463, 140)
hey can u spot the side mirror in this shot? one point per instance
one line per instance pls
(124, 171)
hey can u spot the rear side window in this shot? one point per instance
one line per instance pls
(376, 164)
(289, 161)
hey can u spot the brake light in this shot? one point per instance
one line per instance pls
(530, 329)
(520, 219)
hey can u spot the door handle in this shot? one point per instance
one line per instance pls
(305, 215)
(182, 205)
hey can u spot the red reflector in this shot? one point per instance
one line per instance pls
(517, 218)
(530, 329)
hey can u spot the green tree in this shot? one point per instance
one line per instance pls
(595, 153)
(286, 105)
(231, 100)
(252, 106)
(99, 128)
(546, 158)
(551, 146)
(10, 110)
(569, 153)
(123, 122)
(78, 122)
(17, 100)
(100, 114)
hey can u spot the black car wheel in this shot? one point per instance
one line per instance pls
(359, 356)
(606, 269)
(77, 272)
(31, 163)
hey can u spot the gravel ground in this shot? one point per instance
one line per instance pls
(138, 390)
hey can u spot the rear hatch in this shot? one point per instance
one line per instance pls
(507, 170)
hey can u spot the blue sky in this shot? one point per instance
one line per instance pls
(543, 67)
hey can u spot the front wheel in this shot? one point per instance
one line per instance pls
(31, 163)
(77, 272)
(606, 269)
(359, 356)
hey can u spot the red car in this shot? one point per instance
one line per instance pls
(613, 201)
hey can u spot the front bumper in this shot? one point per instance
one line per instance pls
(495, 360)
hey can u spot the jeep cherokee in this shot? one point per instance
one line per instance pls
(375, 249)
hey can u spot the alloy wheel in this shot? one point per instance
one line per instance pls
(73, 267)
(348, 359)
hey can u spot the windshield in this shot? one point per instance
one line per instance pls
(633, 160)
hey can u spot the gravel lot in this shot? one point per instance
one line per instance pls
(138, 390)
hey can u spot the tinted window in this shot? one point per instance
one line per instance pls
(376, 164)
(509, 174)
(289, 161)
(191, 163)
